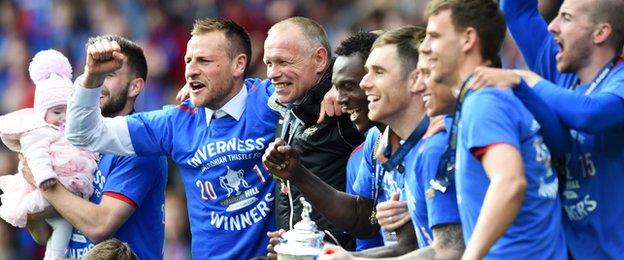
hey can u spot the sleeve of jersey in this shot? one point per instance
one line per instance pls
(354, 163)
(530, 32)
(133, 177)
(87, 129)
(442, 206)
(556, 136)
(151, 132)
(264, 86)
(488, 118)
(362, 185)
(591, 114)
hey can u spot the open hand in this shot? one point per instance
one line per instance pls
(493, 77)
(184, 93)
(329, 105)
(392, 214)
(530, 77)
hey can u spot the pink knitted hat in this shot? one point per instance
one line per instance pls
(51, 72)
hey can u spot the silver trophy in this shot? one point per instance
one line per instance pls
(304, 241)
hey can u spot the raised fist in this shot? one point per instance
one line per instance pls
(281, 159)
(103, 57)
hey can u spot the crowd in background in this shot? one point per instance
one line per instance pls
(162, 29)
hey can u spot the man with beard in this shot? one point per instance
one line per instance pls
(298, 60)
(580, 55)
(129, 191)
(216, 138)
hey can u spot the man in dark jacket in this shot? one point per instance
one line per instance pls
(297, 56)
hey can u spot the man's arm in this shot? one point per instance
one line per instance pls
(504, 167)
(556, 136)
(406, 242)
(85, 127)
(591, 114)
(530, 32)
(448, 243)
(347, 212)
(97, 221)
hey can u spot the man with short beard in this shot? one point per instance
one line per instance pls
(216, 138)
(129, 190)
(580, 55)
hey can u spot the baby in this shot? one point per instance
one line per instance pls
(37, 133)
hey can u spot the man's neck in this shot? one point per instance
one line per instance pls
(406, 122)
(597, 60)
(235, 89)
(468, 67)
(128, 108)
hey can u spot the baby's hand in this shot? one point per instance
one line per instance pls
(45, 185)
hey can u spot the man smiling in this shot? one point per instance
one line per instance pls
(299, 64)
(580, 55)
(501, 162)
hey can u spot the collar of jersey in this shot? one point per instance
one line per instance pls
(234, 107)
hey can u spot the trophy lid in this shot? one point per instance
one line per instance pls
(304, 238)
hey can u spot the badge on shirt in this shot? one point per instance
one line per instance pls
(310, 131)
(430, 193)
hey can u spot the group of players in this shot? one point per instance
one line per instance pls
(451, 156)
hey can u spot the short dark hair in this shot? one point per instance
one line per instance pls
(134, 52)
(359, 43)
(111, 249)
(609, 11)
(482, 15)
(407, 39)
(234, 33)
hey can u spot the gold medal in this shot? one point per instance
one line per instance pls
(373, 217)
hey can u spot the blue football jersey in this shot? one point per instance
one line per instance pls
(428, 206)
(369, 175)
(141, 182)
(491, 116)
(592, 212)
(229, 192)
(353, 165)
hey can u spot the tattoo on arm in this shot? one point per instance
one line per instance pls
(448, 240)
(448, 243)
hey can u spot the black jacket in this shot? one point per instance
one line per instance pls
(324, 148)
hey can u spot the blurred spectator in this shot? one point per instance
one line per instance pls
(177, 244)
